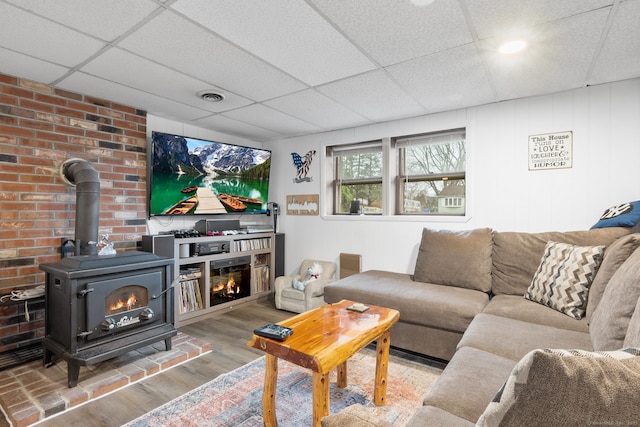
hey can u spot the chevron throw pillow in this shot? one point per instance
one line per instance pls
(563, 278)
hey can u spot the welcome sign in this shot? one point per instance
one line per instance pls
(551, 151)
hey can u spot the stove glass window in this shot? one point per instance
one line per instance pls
(126, 298)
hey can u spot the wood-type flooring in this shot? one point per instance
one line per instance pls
(228, 330)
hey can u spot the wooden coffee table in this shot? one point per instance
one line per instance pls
(323, 339)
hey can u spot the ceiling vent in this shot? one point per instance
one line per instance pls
(211, 96)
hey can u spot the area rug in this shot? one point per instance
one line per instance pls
(234, 399)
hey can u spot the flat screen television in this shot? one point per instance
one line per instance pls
(190, 176)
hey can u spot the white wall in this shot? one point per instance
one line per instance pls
(501, 192)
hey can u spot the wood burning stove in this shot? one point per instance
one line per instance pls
(101, 306)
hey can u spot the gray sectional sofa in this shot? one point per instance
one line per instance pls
(487, 301)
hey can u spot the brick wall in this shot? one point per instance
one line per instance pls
(40, 127)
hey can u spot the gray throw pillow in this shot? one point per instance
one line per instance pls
(610, 320)
(455, 258)
(568, 388)
(614, 255)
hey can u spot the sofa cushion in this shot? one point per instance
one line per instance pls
(516, 256)
(563, 278)
(446, 307)
(455, 258)
(513, 339)
(469, 382)
(614, 255)
(516, 307)
(611, 318)
(430, 416)
(632, 338)
(568, 388)
(624, 215)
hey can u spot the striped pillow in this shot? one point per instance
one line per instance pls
(564, 276)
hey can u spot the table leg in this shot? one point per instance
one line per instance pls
(382, 363)
(320, 397)
(269, 392)
(342, 374)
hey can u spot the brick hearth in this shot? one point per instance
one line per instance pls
(30, 392)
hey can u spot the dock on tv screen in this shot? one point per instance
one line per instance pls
(192, 176)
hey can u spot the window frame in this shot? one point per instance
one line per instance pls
(401, 176)
(389, 181)
(337, 182)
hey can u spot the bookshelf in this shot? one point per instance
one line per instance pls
(240, 269)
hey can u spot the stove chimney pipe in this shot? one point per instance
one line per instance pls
(81, 174)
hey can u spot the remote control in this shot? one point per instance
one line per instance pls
(273, 331)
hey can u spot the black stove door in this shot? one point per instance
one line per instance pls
(118, 303)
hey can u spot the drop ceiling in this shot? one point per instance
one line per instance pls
(294, 67)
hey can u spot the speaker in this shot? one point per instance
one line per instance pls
(355, 208)
(159, 244)
(207, 227)
(279, 254)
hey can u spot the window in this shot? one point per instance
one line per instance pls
(357, 176)
(429, 178)
(431, 173)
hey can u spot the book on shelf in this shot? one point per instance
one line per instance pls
(252, 244)
(190, 298)
(261, 278)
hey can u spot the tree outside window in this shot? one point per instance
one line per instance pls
(431, 174)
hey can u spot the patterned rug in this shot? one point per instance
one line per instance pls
(235, 399)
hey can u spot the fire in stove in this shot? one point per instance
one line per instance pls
(126, 299)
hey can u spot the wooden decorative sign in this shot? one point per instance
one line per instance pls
(303, 204)
(551, 151)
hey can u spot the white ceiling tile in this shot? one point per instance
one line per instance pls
(197, 52)
(503, 18)
(288, 34)
(374, 96)
(620, 56)
(393, 31)
(446, 80)
(156, 79)
(269, 118)
(556, 59)
(234, 127)
(104, 19)
(23, 66)
(100, 88)
(313, 107)
(26, 33)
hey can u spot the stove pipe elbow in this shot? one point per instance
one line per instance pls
(81, 174)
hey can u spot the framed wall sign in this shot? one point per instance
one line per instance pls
(303, 204)
(551, 151)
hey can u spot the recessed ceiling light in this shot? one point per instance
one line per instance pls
(211, 96)
(513, 46)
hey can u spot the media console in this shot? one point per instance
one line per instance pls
(216, 272)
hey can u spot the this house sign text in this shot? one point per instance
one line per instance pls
(551, 151)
